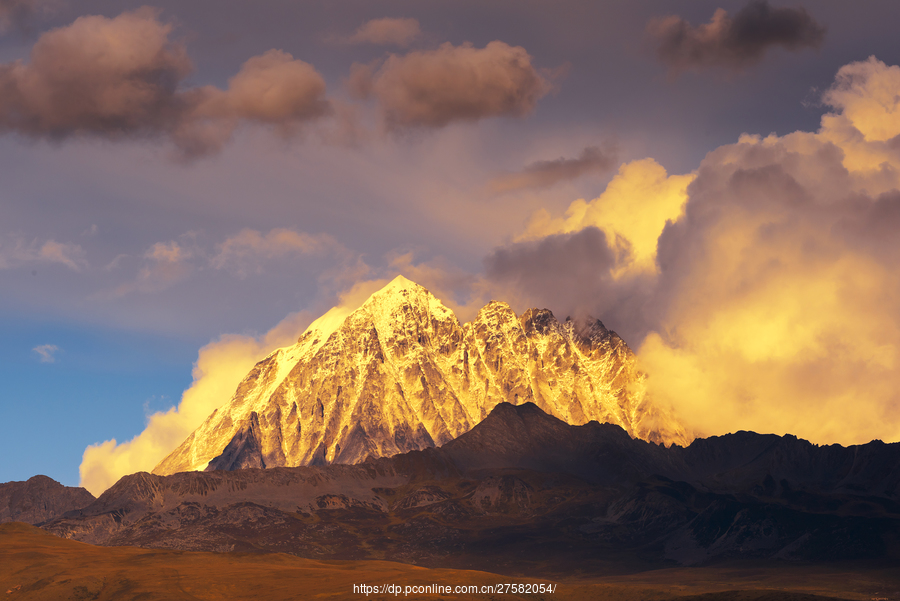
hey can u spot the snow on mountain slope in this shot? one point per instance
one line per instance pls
(401, 373)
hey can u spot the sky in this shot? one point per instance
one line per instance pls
(185, 186)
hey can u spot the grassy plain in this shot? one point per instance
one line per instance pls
(35, 565)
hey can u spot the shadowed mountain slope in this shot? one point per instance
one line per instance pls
(521, 489)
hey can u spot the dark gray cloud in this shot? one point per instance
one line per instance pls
(124, 77)
(433, 88)
(19, 13)
(733, 42)
(544, 174)
(572, 275)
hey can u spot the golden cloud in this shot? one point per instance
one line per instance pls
(219, 369)
(774, 302)
(632, 212)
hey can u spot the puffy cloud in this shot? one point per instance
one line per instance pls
(273, 89)
(775, 301)
(544, 174)
(219, 369)
(434, 88)
(46, 352)
(15, 251)
(733, 43)
(632, 211)
(124, 77)
(97, 75)
(276, 88)
(865, 93)
(248, 248)
(764, 307)
(387, 32)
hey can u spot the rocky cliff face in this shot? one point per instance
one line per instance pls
(401, 373)
(39, 499)
(525, 489)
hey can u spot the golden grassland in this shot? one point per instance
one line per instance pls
(37, 565)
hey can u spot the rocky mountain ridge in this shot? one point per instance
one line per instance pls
(401, 373)
(39, 499)
(523, 485)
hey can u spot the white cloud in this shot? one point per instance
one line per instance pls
(46, 352)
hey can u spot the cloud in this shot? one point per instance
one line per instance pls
(97, 75)
(544, 174)
(572, 273)
(276, 88)
(434, 88)
(18, 13)
(15, 251)
(165, 264)
(245, 251)
(387, 32)
(865, 93)
(733, 43)
(632, 211)
(46, 352)
(761, 304)
(220, 367)
(774, 302)
(123, 77)
(273, 89)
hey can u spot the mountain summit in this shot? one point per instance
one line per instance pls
(401, 373)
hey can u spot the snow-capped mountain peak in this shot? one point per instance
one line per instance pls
(401, 373)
